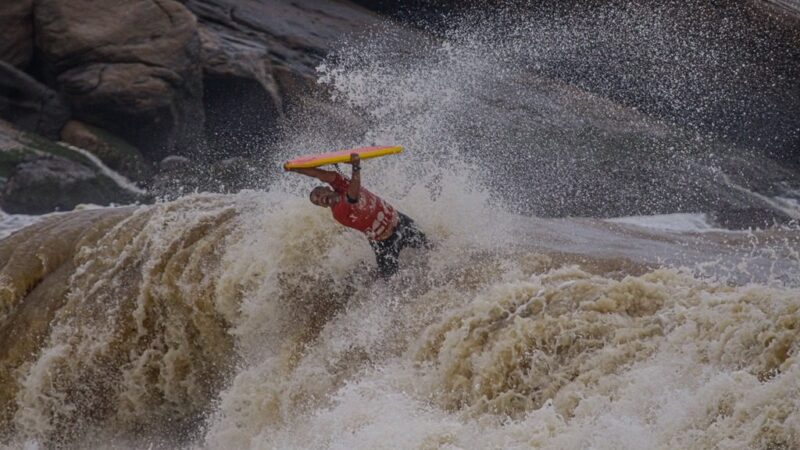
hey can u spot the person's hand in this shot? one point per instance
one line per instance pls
(355, 159)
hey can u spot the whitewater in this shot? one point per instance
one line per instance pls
(254, 321)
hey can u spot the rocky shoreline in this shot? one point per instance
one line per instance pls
(179, 96)
(161, 79)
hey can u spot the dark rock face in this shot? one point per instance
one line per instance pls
(128, 66)
(208, 79)
(240, 94)
(174, 163)
(52, 183)
(152, 74)
(115, 153)
(788, 7)
(557, 151)
(744, 218)
(38, 176)
(212, 80)
(241, 116)
(178, 176)
(29, 104)
(16, 21)
(256, 54)
(297, 34)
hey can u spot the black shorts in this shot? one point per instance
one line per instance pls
(406, 234)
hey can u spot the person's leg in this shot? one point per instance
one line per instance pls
(411, 235)
(386, 253)
(418, 239)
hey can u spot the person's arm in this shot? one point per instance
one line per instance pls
(354, 189)
(326, 176)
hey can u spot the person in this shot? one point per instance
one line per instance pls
(388, 230)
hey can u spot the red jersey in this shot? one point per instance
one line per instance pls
(370, 215)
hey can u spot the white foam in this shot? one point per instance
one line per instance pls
(10, 223)
(679, 222)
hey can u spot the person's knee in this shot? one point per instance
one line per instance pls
(427, 244)
(420, 240)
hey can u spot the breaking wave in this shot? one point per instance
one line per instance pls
(254, 321)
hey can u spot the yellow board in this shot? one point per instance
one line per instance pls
(309, 161)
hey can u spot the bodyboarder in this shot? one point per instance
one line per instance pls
(388, 230)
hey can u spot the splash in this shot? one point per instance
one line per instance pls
(596, 111)
(253, 321)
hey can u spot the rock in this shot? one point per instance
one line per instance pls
(257, 55)
(752, 217)
(16, 21)
(52, 183)
(179, 176)
(12, 151)
(297, 34)
(136, 75)
(157, 79)
(235, 174)
(241, 98)
(113, 151)
(789, 7)
(29, 104)
(17, 146)
(174, 163)
(67, 176)
(231, 53)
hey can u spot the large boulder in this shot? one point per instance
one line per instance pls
(788, 7)
(257, 55)
(130, 66)
(29, 104)
(178, 176)
(16, 21)
(17, 147)
(111, 150)
(38, 175)
(52, 183)
(297, 34)
(241, 97)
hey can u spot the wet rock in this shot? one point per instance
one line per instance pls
(241, 97)
(235, 174)
(297, 34)
(67, 176)
(174, 163)
(749, 217)
(232, 53)
(16, 21)
(179, 176)
(257, 55)
(790, 8)
(115, 153)
(168, 81)
(12, 151)
(17, 146)
(29, 104)
(52, 183)
(136, 75)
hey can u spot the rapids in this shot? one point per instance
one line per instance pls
(253, 320)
